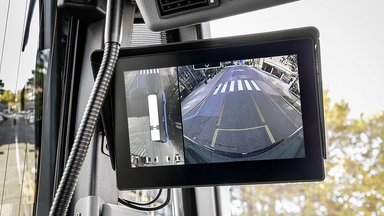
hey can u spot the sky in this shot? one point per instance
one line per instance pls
(351, 43)
(9, 72)
(351, 37)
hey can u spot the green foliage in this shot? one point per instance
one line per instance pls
(354, 173)
(8, 97)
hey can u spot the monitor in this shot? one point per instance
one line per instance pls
(237, 110)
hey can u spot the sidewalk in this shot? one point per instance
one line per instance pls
(199, 94)
(281, 87)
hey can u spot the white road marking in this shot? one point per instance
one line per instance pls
(193, 116)
(224, 87)
(239, 85)
(150, 71)
(283, 112)
(217, 89)
(247, 85)
(191, 140)
(256, 86)
(232, 86)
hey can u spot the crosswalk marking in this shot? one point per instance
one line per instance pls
(239, 85)
(232, 86)
(247, 85)
(254, 84)
(224, 87)
(217, 89)
(149, 71)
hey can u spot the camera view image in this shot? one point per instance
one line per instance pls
(154, 118)
(215, 112)
(241, 110)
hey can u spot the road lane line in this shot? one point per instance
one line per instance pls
(217, 89)
(224, 87)
(258, 109)
(239, 85)
(283, 111)
(217, 125)
(232, 86)
(240, 129)
(217, 130)
(290, 104)
(197, 112)
(256, 86)
(193, 141)
(270, 134)
(247, 85)
(214, 137)
(220, 115)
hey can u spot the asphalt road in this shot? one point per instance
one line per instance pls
(240, 115)
(16, 128)
(17, 166)
(163, 83)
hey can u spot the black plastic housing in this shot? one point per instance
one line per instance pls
(304, 42)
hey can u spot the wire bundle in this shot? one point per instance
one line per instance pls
(139, 206)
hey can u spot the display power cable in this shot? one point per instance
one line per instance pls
(139, 206)
(68, 181)
(147, 203)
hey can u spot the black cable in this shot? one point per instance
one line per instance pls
(130, 205)
(148, 203)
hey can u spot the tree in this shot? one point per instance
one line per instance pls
(354, 173)
(8, 97)
(1, 87)
(291, 61)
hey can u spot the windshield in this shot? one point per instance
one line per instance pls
(351, 47)
(21, 94)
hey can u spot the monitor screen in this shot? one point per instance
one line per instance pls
(244, 109)
(216, 112)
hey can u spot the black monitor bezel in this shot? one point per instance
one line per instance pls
(303, 42)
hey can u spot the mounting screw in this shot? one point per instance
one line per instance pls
(78, 214)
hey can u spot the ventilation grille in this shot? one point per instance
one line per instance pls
(169, 7)
(142, 36)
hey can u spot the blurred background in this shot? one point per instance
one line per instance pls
(351, 41)
(351, 35)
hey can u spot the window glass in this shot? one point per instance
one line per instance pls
(351, 48)
(21, 88)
